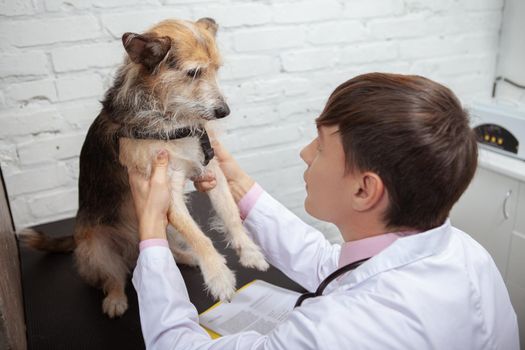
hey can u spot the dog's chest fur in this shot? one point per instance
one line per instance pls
(185, 155)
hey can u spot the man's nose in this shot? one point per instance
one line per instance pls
(222, 111)
(302, 154)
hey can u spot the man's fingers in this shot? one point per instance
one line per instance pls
(209, 176)
(220, 152)
(205, 186)
(159, 170)
(211, 133)
(204, 182)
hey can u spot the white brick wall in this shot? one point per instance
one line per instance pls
(282, 59)
(512, 54)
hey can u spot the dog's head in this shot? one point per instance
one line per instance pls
(169, 78)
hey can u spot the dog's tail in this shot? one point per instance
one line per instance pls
(41, 241)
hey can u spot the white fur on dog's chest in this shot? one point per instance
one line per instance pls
(185, 154)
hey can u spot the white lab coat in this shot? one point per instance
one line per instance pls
(434, 290)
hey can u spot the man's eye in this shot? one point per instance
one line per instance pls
(193, 73)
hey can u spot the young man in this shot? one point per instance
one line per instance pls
(392, 156)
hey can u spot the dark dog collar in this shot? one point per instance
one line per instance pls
(179, 134)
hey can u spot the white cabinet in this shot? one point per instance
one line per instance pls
(486, 211)
(492, 211)
(515, 278)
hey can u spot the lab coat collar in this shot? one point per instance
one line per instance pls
(403, 251)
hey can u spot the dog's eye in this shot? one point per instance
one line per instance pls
(193, 73)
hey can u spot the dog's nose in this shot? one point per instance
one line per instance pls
(222, 111)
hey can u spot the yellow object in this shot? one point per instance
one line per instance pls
(212, 334)
(500, 141)
(487, 137)
(493, 139)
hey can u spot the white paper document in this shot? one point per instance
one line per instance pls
(258, 306)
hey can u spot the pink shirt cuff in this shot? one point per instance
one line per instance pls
(153, 242)
(248, 201)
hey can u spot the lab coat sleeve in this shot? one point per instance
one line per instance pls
(170, 321)
(291, 245)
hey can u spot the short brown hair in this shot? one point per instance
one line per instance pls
(414, 134)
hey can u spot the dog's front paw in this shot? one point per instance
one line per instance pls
(220, 282)
(249, 253)
(115, 306)
(253, 258)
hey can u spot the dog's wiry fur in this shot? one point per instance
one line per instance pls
(167, 81)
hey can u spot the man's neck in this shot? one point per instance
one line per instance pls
(362, 233)
(363, 229)
(362, 226)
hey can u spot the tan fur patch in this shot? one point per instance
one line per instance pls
(194, 43)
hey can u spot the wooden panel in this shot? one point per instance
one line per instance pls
(12, 326)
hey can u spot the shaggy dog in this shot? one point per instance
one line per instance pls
(163, 95)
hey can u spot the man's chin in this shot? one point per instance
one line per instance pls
(308, 206)
(313, 210)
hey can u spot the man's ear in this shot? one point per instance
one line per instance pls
(209, 24)
(147, 49)
(369, 190)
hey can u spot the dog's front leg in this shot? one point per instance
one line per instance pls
(181, 253)
(218, 278)
(222, 200)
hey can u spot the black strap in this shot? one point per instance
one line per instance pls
(328, 280)
(204, 140)
(172, 135)
(208, 151)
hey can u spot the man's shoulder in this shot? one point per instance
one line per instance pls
(470, 249)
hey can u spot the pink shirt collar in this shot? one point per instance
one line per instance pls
(367, 247)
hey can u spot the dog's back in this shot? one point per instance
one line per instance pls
(102, 183)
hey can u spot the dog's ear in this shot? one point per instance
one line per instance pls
(146, 49)
(209, 24)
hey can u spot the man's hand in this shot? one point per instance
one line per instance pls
(238, 181)
(152, 198)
